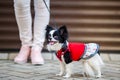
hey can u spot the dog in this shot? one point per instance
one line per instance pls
(67, 52)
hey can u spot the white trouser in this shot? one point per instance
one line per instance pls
(24, 21)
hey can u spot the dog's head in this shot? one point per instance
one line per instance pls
(56, 37)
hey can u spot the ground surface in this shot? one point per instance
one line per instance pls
(11, 71)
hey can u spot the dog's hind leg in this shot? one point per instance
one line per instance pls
(88, 71)
(95, 64)
(97, 69)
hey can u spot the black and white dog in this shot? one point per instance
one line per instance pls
(67, 52)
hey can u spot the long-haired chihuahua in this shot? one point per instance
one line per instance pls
(67, 52)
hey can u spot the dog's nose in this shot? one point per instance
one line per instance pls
(50, 39)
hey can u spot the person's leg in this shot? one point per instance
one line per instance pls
(24, 21)
(40, 22)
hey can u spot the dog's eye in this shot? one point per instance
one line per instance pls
(56, 37)
(49, 36)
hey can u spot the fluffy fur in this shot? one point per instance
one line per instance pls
(57, 40)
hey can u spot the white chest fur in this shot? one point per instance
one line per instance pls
(54, 47)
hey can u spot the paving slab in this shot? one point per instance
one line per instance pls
(11, 71)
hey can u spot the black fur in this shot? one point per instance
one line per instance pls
(48, 29)
(98, 52)
(61, 34)
(67, 57)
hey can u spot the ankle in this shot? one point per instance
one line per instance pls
(36, 56)
(23, 54)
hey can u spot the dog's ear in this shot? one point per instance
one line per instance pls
(49, 28)
(63, 32)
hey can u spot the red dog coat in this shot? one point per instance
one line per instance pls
(79, 50)
(76, 51)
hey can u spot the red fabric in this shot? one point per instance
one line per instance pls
(59, 54)
(76, 51)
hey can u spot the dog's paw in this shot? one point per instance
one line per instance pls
(98, 76)
(67, 76)
(60, 74)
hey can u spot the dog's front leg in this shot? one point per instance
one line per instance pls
(62, 69)
(68, 70)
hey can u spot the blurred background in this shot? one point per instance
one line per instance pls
(87, 21)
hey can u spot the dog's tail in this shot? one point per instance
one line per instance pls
(87, 69)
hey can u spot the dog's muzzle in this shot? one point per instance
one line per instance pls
(52, 42)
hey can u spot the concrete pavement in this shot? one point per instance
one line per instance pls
(11, 71)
